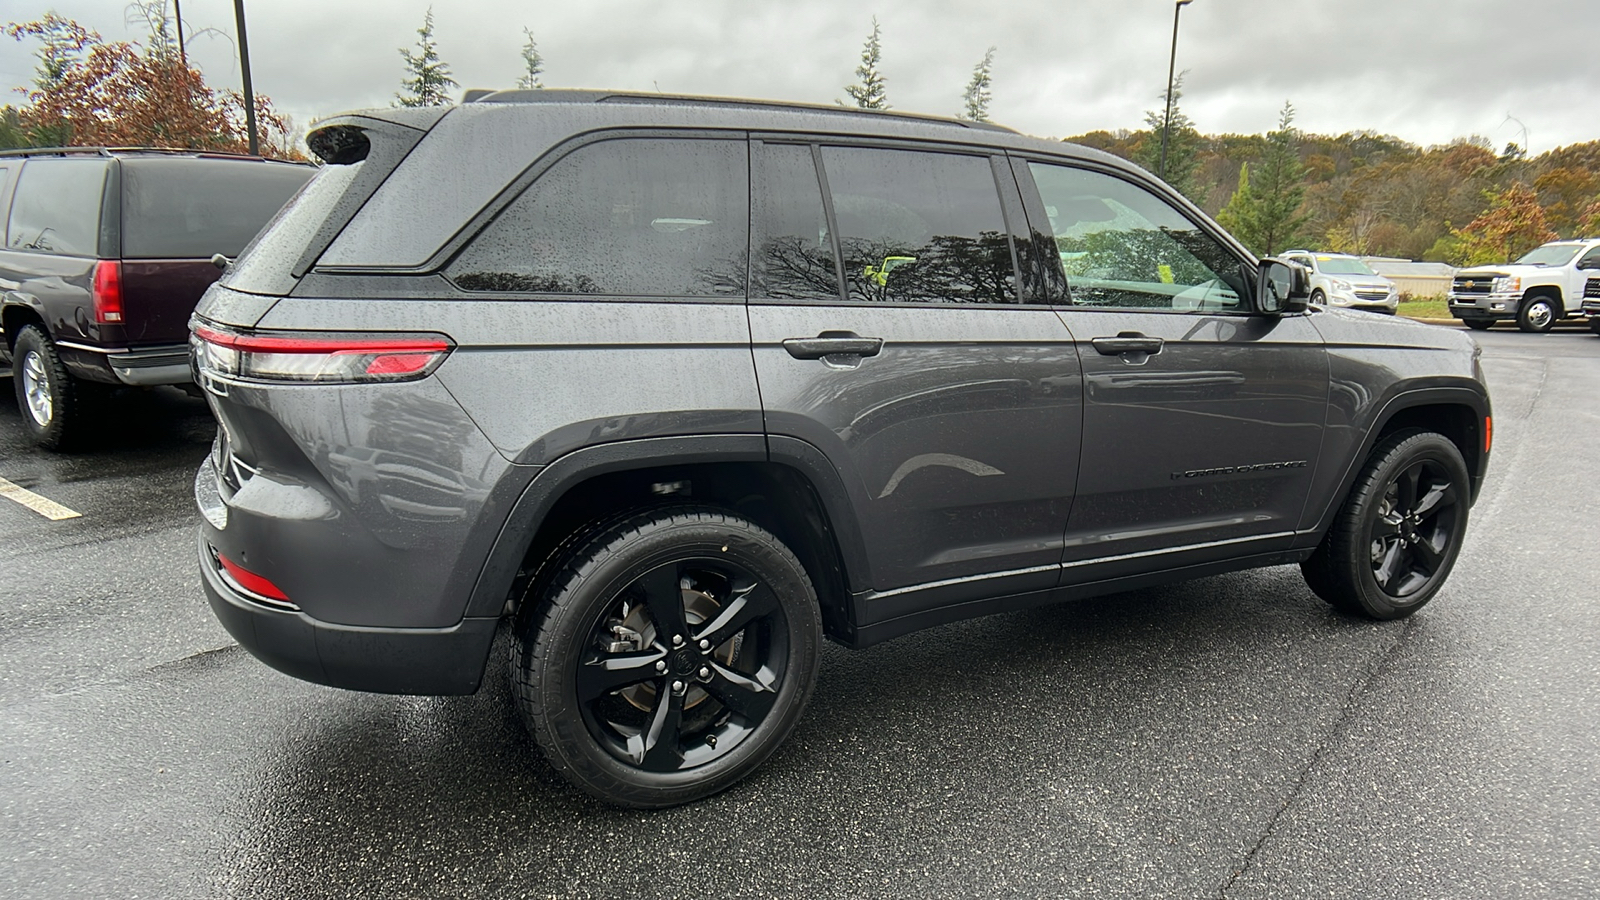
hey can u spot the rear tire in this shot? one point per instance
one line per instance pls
(1395, 540)
(668, 657)
(1537, 315)
(47, 396)
(1478, 324)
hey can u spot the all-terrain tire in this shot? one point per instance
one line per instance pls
(49, 399)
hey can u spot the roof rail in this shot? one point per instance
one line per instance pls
(554, 95)
(115, 151)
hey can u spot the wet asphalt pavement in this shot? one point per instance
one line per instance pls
(1228, 737)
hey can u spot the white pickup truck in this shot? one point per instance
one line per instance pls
(1537, 290)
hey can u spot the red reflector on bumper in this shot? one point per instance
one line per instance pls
(250, 581)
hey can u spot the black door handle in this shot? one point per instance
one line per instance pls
(1127, 342)
(833, 343)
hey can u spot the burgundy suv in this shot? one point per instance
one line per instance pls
(106, 252)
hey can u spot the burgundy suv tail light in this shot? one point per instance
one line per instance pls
(318, 358)
(108, 292)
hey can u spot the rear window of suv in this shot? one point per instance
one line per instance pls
(57, 207)
(192, 208)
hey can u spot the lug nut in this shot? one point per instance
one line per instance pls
(677, 640)
(661, 665)
(677, 687)
(704, 672)
(705, 644)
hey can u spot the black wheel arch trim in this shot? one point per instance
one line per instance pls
(1463, 393)
(505, 557)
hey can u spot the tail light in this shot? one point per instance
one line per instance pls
(318, 358)
(108, 292)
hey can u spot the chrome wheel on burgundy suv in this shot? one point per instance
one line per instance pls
(668, 656)
(44, 391)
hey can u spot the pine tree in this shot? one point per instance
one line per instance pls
(1267, 215)
(1239, 215)
(430, 80)
(532, 61)
(869, 93)
(977, 95)
(1183, 142)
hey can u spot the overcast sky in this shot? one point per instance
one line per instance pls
(1427, 71)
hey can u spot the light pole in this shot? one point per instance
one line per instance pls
(1172, 63)
(244, 64)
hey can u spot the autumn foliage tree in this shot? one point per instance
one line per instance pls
(91, 92)
(1513, 225)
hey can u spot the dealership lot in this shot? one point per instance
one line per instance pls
(1225, 737)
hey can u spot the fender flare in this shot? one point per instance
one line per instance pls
(1473, 397)
(505, 556)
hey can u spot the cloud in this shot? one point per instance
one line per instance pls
(1427, 73)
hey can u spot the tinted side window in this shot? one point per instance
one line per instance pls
(1122, 246)
(1590, 260)
(921, 227)
(628, 217)
(193, 208)
(57, 207)
(792, 246)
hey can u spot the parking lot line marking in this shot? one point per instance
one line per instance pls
(44, 506)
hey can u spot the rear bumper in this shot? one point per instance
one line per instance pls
(133, 366)
(430, 661)
(152, 366)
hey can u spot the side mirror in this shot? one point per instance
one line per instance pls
(1281, 287)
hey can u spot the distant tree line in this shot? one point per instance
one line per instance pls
(1373, 194)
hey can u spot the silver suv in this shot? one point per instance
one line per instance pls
(1339, 279)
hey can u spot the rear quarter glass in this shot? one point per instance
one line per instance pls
(56, 207)
(273, 263)
(188, 208)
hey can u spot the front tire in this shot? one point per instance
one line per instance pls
(1318, 298)
(47, 396)
(1394, 541)
(1537, 315)
(668, 656)
(1478, 324)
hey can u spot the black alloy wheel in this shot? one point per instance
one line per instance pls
(1414, 528)
(670, 655)
(1394, 541)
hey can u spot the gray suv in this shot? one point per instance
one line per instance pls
(678, 387)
